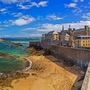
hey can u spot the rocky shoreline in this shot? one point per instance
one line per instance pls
(29, 65)
(7, 78)
(46, 73)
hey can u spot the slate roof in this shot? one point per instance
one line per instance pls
(52, 32)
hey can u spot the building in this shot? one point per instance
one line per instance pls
(82, 31)
(82, 41)
(43, 38)
(51, 37)
(70, 38)
(66, 37)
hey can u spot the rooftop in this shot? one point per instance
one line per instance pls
(84, 36)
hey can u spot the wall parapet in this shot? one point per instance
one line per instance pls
(80, 56)
(86, 82)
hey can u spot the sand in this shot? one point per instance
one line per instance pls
(48, 74)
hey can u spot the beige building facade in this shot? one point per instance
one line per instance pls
(69, 38)
(51, 37)
(82, 41)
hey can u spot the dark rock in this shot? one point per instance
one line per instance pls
(17, 44)
(82, 78)
(79, 88)
(47, 52)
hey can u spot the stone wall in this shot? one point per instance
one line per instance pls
(77, 56)
(86, 82)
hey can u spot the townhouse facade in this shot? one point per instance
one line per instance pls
(51, 37)
(70, 38)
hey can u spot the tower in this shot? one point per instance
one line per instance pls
(61, 35)
(71, 36)
(62, 29)
(86, 30)
(70, 30)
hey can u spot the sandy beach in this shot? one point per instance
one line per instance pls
(48, 73)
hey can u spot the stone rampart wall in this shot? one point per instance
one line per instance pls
(78, 56)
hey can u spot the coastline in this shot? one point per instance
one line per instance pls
(30, 65)
(47, 73)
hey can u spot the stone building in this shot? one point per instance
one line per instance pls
(82, 31)
(51, 37)
(43, 38)
(68, 37)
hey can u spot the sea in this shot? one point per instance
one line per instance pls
(17, 63)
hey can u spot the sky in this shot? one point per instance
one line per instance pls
(32, 18)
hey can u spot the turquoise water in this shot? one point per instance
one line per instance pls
(8, 64)
(24, 41)
(7, 48)
(11, 65)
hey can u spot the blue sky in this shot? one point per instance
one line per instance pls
(27, 18)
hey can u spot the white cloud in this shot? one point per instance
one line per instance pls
(23, 6)
(14, 1)
(32, 4)
(53, 17)
(3, 10)
(45, 28)
(78, 0)
(86, 16)
(40, 18)
(82, 0)
(6, 36)
(17, 14)
(35, 35)
(43, 3)
(27, 29)
(1, 28)
(58, 27)
(71, 5)
(75, 0)
(77, 11)
(23, 20)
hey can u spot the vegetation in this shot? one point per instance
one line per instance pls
(33, 51)
(6, 79)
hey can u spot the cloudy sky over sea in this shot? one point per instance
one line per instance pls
(26, 18)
